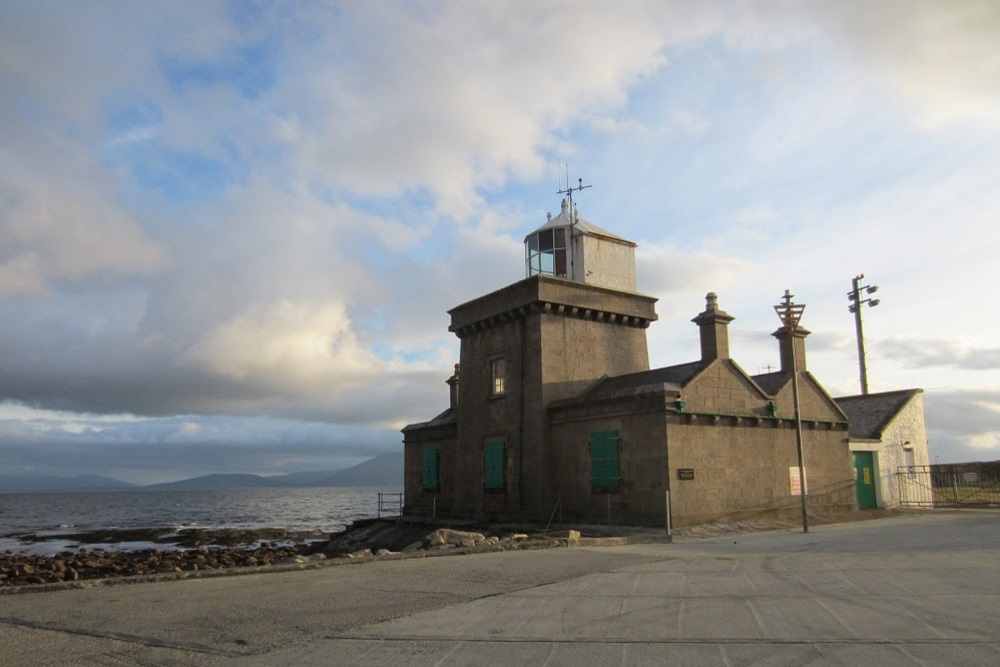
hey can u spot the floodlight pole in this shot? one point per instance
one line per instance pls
(790, 314)
(856, 303)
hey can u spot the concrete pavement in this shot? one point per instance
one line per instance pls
(921, 589)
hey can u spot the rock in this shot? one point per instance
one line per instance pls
(519, 536)
(416, 546)
(292, 560)
(492, 540)
(566, 535)
(383, 552)
(363, 553)
(458, 538)
(315, 557)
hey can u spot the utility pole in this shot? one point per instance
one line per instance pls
(790, 314)
(856, 303)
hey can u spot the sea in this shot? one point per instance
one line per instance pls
(326, 509)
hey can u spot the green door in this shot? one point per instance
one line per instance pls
(864, 480)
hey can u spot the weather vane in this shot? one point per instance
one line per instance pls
(569, 193)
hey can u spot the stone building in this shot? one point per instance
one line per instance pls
(888, 439)
(555, 412)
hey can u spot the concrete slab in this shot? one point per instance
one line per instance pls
(910, 590)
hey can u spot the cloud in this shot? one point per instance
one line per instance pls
(667, 269)
(942, 56)
(964, 424)
(58, 222)
(292, 348)
(226, 210)
(916, 353)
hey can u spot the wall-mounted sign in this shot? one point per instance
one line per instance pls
(793, 480)
(685, 473)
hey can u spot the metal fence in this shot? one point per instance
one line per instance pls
(390, 504)
(947, 486)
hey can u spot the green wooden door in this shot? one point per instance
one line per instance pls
(864, 480)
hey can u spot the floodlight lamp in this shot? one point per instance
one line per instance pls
(851, 296)
(852, 308)
(871, 289)
(874, 302)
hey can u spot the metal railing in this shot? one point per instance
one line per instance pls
(390, 504)
(947, 486)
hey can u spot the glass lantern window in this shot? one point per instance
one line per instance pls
(546, 252)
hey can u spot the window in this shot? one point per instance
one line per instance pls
(604, 469)
(546, 252)
(494, 465)
(430, 469)
(909, 461)
(498, 372)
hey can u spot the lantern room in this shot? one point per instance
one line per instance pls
(567, 246)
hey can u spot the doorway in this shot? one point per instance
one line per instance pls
(864, 480)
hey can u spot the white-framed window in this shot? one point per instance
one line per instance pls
(498, 376)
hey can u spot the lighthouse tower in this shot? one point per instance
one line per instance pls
(574, 319)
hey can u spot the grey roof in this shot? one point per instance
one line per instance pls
(643, 381)
(449, 416)
(870, 414)
(771, 382)
(583, 226)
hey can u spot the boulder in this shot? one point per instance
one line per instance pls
(458, 538)
(566, 535)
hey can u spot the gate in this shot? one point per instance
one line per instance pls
(390, 504)
(947, 486)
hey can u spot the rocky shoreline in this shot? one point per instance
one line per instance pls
(211, 550)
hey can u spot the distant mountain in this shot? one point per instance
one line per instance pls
(213, 482)
(54, 484)
(383, 470)
(307, 478)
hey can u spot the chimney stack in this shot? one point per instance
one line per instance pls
(713, 325)
(786, 341)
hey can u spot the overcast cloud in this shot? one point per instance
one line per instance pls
(230, 232)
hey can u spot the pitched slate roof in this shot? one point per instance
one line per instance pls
(771, 382)
(869, 415)
(643, 381)
(564, 219)
(449, 416)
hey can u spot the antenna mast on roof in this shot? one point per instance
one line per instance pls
(573, 215)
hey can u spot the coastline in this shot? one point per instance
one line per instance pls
(200, 552)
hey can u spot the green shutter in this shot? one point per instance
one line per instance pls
(430, 469)
(493, 465)
(604, 471)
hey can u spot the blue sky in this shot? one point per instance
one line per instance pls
(230, 232)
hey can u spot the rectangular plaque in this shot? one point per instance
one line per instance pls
(793, 480)
(685, 473)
